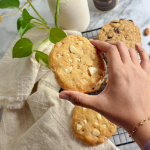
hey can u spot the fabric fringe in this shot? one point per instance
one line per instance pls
(13, 99)
(16, 106)
(12, 106)
(12, 102)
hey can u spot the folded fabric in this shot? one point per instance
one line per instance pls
(43, 121)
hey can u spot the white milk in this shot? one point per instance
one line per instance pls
(73, 14)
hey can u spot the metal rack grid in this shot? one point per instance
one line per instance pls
(121, 137)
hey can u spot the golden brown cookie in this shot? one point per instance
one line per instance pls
(91, 127)
(121, 30)
(77, 65)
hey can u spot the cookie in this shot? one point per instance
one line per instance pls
(91, 127)
(107, 79)
(121, 30)
(77, 65)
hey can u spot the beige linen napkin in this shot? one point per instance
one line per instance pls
(43, 122)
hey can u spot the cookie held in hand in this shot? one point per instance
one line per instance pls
(91, 127)
(121, 30)
(77, 65)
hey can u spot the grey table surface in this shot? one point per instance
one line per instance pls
(136, 10)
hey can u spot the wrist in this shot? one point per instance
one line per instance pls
(142, 134)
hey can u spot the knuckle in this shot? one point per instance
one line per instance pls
(113, 48)
(147, 61)
(120, 43)
(137, 73)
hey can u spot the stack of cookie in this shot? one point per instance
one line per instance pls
(77, 66)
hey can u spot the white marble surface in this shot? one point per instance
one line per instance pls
(136, 10)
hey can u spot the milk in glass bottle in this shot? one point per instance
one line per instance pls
(73, 14)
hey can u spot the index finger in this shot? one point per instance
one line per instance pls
(111, 51)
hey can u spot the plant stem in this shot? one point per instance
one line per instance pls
(36, 11)
(43, 29)
(16, 11)
(37, 22)
(42, 20)
(41, 41)
(20, 9)
(57, 13)
(42, 23)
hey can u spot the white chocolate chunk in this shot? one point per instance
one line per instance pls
(68, 55)
(68, 70)
(84, 108)
(99, 116)
(96, 132)
(73, 49)
(80, 42)
(92, 70)
(78, 59)
(79, 126)
(59, 55)
(95, 124)
(85, 121)
(70, 59)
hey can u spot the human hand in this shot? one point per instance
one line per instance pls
(126, 99)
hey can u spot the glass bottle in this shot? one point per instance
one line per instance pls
(73, 14)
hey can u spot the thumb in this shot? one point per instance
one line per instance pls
(81, 99)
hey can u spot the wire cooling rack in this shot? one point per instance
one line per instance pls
(121, 137)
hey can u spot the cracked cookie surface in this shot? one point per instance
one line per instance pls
(121, 30)
(77, 65)
(91, 127)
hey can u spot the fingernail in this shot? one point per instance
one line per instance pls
(137, 44)
(64, 96)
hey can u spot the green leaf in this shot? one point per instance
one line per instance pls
(22, 48)
(21, 30)
(9, 4)
(56, 35)
(26, 18)
(42, 58)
